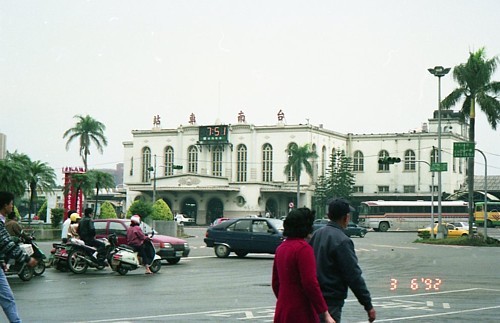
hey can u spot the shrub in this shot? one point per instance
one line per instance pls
(42, 212)
(56, 215)
(161, 211)
(107, 211)
(140, 207)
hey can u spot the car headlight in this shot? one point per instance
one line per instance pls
(165, 245)
(186, 245)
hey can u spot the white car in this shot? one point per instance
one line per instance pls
(465, 226)
(181, 219)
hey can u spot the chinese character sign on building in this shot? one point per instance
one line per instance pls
(72, 199)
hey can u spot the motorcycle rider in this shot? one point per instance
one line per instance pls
(9, 249)
(86, 231)
(73, 227)
(136, 239)
(65, 225)
(13, 227)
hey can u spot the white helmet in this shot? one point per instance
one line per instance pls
(136, 219)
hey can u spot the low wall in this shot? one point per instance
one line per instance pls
(43, 232)
(168, 228)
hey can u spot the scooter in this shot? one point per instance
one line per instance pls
(81, 256)
(59, 256)
(124, 258)
(24, 271)
(38, 254)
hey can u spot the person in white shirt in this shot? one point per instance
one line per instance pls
(66, 223)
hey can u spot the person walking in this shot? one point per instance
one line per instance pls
(294, 279)
(9, 250)
(337, 264)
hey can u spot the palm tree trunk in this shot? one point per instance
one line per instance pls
(32, 202)
(470, 165)
(96, 199)
(298, 191)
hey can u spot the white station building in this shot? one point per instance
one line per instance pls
(231, 170)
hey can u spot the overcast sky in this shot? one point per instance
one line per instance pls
(353, 66)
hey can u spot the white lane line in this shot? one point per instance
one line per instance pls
(446, 305)
(395, 247)
(430, 303)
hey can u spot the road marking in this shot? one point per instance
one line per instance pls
(395, 247)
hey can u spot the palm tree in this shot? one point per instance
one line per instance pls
(39, 177)
(475, 86)
(88, 130)
(298, 158)
(100, 180)
(11, 177)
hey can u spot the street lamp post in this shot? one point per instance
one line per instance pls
(432, 197)
(439, 72)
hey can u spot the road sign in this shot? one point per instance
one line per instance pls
(290, 205)
(463, 149)
(439, 167)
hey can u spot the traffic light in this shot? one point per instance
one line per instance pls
(389, 160)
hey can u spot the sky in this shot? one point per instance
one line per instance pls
(353, 66)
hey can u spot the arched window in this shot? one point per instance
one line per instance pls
(323, 161)
(267, 163)
(383, 167)
(434, 155)
(358, 161)
(169, 161)
(217, 162)
(291, 176)
(146, 164)
(241, 163)
(193, 159)
(410, 160)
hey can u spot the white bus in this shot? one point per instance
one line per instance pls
(408, 215)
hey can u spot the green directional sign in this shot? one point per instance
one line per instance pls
(439, 167)
(463, 149)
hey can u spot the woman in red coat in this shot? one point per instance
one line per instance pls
(294, 274)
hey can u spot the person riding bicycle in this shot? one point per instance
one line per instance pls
(136, 239)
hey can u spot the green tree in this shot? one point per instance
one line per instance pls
(140, 207)
(337, 182)
(40, 177)
(298, 159)
(12, 177)
(107, 211)
(42, 212)
(161, 211)
(475, 87)
(88, 131)
(99, 180)
(56, 215)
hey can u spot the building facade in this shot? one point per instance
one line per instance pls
(235, 170)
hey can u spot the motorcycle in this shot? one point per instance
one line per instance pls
(59, 256)
(24, 271)
(38, 254)
(81, 257)
(124, 258)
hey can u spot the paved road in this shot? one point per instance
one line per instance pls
(409, 283)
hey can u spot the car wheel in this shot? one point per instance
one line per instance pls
(222, 251)
(77, 262)
(39, 269)
(464, 235)
(155, 266)
(361, 235)
(173, 261)
(241, 254)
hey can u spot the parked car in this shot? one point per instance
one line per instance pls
(218, 221)
(451, 231)
(168, 248)
(352, 228)
(245, 235)
(465, 226)
(182, 219)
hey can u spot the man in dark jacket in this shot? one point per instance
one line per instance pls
(9, 250)
(86, 231)
(337, 264)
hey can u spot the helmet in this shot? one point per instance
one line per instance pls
(136, 219)
(74, 216)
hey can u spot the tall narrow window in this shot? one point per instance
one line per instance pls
(131, 166)
(217, 162)
(323, 161)
(267, 163)
(410, 160)
(434, 156)
(192, 159)
(241, 163)
(358, 161)
(146, 164)
(383, 167)
(169, 161)
(291, 174)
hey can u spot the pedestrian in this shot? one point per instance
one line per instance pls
(337, 264)
(294, 280)
(9, 250)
